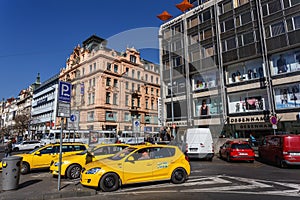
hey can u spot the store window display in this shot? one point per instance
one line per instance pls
(285, 62)
(287, 96)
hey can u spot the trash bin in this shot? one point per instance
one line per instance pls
(11, 167)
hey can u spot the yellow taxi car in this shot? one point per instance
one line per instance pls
(71, 165)
(41, 158)
(136, 164)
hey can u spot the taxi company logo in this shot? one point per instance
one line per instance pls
(248, 119)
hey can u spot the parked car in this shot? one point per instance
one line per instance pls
(135, 164)
(234, 150)
(27, 145)
(283, 150)
(41, 158)
(71, 165)
(198, 143)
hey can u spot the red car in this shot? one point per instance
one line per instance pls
(237, 150)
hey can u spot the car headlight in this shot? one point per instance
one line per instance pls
(93, 170)
(56, 164)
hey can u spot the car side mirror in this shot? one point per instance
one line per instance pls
(37, 153)
(130, 159)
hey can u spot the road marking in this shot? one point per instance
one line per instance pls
(249, 184)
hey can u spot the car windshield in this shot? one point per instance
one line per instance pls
(123, 153)
(240, 146)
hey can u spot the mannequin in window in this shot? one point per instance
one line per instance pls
(204, 108)
(233, 77)
(261, 72)
(238, 75)
(250, 74)
(284, 97)
(281, 65)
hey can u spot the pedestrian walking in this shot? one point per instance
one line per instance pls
(8, 148)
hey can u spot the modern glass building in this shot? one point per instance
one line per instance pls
(233, 65)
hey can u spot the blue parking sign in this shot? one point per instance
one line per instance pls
(64, 92)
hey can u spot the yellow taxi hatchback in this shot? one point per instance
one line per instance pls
(137, 164)
(71, 165)
(41, 158)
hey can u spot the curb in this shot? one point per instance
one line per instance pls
(60, 195)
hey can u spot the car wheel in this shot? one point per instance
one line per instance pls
(251, 161)
(25, 168)
(178, 176)
(109, 182)
(280, 163)
(73, 171)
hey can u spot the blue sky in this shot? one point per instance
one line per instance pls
(37, 36)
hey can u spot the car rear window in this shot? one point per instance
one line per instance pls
(240, 146)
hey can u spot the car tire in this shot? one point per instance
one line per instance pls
(109, 182)
(73, 171)
(25, 168)
(179, 175)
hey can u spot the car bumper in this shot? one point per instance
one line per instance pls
(90, 180)
(292, 163)
(242, 158)
(54, 170)
(200, 155)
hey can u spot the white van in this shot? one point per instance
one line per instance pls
(198, 143)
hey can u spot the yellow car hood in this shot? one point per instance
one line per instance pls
(103, 163)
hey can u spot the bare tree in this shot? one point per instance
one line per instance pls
(21, 124)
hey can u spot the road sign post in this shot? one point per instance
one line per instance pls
(63, 111)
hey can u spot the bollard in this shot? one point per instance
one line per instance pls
(11, 167)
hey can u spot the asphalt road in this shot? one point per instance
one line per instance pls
(216, 180)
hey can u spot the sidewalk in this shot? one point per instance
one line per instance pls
(42, 186)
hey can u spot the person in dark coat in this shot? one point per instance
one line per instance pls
(8, 148)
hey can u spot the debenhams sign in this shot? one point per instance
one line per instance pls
(248, 119)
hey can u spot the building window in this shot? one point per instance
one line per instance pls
(115, 83)
(132, 87)
(95, 67)
(115, 98)
(132, 73)
(94, 82)
(138, 87)
(206, 16)
(126, 85)
(152, 105)
(226, 7)
(156, 80)
(110, 116)
(127, 100)
(293, 23)
(146, 104)
(277, 29)
(116, 67)
(90, 116)
(93, 98)
(193, 22)
(146, 90)
(127, 117)
(237, 3)
(146, 77)
(132, 59)
(108, 81)
(228, 44)
(138, 102)
(127, 70)
(108, 66)
(138, 75)
(83, 71)
(91, 68)
(245, 39)
(107, 98)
